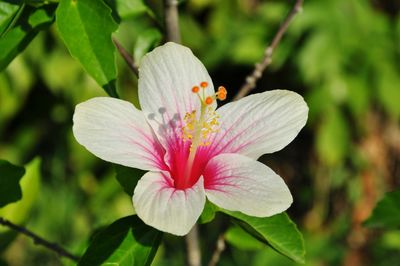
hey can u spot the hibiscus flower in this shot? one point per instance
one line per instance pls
(191, 150)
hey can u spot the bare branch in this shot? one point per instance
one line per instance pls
(172, 30)
(193, 249)
(126, 56)
(172, 20)
(218, 250)
(266, 61)
(38, 240)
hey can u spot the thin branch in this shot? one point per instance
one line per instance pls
(173, 34)
(193, 249)
(126, 56)
(220, 247)
(266, 61)
(38, 240)
(172, 20)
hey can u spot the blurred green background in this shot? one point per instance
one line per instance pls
(343, 56)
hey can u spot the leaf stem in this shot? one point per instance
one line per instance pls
(259, 68)
(39, 240)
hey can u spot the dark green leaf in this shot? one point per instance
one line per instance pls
(128, 177)
(18, 212)
(10, 175)
(25, 28)
(127, 241)
(86, 27)
(387, 212)
(278, 231)
(6, 238)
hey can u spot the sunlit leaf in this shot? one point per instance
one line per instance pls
(86, 27)
(239, 238)
(388, 90)
(127, 241)
(387, 212)
(278, 231)
(358, 95)
(333, 137)
(10, 175)
(27, 26)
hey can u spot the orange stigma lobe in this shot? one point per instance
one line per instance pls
(209, 100)
(204, 84)
(195, 89)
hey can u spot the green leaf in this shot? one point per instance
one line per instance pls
(127, 8)
(17, 212)
(387, 212)
(25, 28)
(239, 238)
(208, 213)
(278, 231)
(10, 190)
(128, 177)
(127, 241)
(333, 137)
(145, 42)
(388, 90)
(86, 27)
(8, 14)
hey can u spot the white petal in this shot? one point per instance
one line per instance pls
(238, 183)
(166, 77)
(167, 209)
(115, 131)
(260, 123)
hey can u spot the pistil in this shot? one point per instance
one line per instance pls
(197, 130)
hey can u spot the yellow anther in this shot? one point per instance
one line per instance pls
(221, 89)
(221, 93)
(198, 127)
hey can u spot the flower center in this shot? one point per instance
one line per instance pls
(198, 127)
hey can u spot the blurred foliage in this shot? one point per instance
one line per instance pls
(10, 191)
(387, 212)
(342, 55)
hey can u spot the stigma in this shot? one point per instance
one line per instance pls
(200, 124)
(209, 99)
